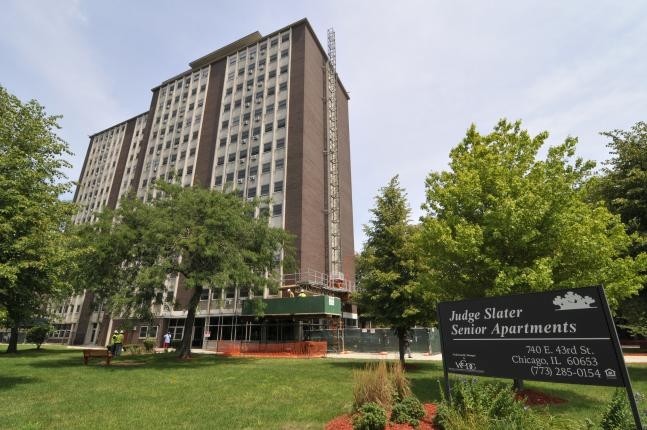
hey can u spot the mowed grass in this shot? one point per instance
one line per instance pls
(52, 389)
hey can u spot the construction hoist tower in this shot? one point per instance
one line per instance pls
(335, 270)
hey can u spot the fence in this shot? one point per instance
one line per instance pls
(423, 340)
(270, 349)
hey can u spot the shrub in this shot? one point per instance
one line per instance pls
(485, 405)
(408, 410)
(372, 385)
(133, 349)
(370, 416)
(400, 383)
(617, 415)
(149, 344)
(38, 334)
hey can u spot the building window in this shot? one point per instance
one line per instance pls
(221, 160)
(253, 170)
(189, 170)
(230, 177)
(273, 58)
(282, 104)
(278, 186)
(251, 192)
(278, 164)
(267, 147)
(280, 143)
(225, 124)
(265, 190)
(284, 69)
(284, 53)
(231, 158)
(218, 180)
(271, 74)
(223, 142)
(277, 210)
(280, 123)
(192, 151)
(283, 86)
(269, 127)
(266, 167)
(147, 331)
(241, 174)
(204, 294)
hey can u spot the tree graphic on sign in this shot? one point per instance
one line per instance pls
(572, 300)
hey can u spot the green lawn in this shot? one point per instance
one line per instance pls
(52, 389)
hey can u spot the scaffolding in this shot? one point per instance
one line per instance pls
(317, 282)
(333, 209)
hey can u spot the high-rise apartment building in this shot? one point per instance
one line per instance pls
(265, 116)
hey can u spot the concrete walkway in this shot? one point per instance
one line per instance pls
(416, 356)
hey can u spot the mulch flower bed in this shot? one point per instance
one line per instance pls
(531, 397)
(345, 422)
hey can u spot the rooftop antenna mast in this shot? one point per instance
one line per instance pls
(334, 236)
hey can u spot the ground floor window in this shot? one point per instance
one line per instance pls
(62, 331)
(147, 331)
(176, 328)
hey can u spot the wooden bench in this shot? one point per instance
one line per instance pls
(101, 353)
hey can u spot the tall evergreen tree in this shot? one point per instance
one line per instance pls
(388, 267)
(623, 187)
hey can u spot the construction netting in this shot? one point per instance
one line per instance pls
(270, 349)
(424, 340)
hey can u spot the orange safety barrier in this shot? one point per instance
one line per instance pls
(282, 349)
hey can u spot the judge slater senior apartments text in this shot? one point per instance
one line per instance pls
(500, 329)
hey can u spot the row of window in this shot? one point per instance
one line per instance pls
(186, 82)
(285, 37)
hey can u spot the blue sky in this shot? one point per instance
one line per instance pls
(419, 72)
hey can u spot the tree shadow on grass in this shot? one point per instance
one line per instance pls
(32, 352)
(8, 382)
(129, 362)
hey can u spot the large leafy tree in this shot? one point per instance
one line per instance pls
(388, 267)
(33, 252)
(208, 238)
(502, 221)
(622, 185)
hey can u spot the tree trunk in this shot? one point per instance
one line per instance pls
(13, 339)
(185, 349)
(401, 333)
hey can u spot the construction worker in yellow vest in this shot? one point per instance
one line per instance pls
(119, 343)
(113, 342)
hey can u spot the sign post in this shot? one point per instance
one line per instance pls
(559, 336)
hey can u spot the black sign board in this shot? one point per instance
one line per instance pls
(560, 336)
